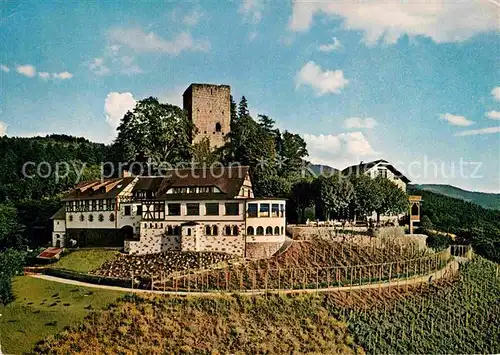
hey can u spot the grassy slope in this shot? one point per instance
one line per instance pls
(43, 308)
(218, 325)
(85, 260)
(460, 317)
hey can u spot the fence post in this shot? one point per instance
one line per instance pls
(279, 280)
(390, 274)
(317, 279)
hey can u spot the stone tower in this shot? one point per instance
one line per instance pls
(208, 107)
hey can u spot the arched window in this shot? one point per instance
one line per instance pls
(70, 218)
(260, 230)
(156, 225)
(176, 230)
(208, 230)
(161, 225)
(218, 127)
(276, 230)
(215, 230)
(100, 218)
(227, 230)
(282, 231)
(91, 218)
(170, 231)
(250, 231)
(236, 230)
(189, 231)
(269, 231)
(150, 225)
(111, 217)
(82, 218)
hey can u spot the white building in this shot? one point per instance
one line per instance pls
(187, 210)
(379, 168)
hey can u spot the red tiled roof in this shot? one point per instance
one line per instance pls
(50, 253)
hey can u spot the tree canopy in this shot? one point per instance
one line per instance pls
(155, 132)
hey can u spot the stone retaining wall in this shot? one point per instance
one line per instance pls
(355, 235)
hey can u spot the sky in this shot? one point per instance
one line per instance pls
(416, 83)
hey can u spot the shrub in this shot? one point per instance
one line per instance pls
(438, 241)
(11, 264)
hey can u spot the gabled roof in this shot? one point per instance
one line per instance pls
(362, 168)
(90, 190)
(227, 179)
(60, 214)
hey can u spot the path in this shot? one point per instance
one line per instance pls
(449, 269)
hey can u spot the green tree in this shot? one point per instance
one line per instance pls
(393, 200)
(426, 223)
(367, 196)
(234, 111)
(302, 197)
(292, 150)
(155, 131)
(333, 194)
(203, 155)
(9, 227)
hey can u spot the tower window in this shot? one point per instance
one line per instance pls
(218, 127)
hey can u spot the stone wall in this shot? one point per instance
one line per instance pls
(95, 237)
(153, 244)
(358, 235)
(262, 250)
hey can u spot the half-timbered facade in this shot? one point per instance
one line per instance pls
(185, 210)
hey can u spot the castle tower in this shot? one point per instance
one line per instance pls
(208, 107)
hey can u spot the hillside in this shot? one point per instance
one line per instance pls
(469, 221)
(319, 169)
(486, 200)
(434, 318)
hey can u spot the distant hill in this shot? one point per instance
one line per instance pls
(319, 169)
(486, 200)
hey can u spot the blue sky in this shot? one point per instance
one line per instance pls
(416, 83)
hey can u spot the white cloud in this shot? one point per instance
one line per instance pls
(62, 76)
(3, 128)
(496, 93)
(98, 67)
(338, 150)
(192, 18)
(474, 132)
(4, 68)
(330, 47)
(324, 82)
(26, 70)
(358, 122)
(389, 20)
(494, 115)
(116, 106)
(140, 41)
(252, 36)
(455, 119)
(44, 75)
(251, 10)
